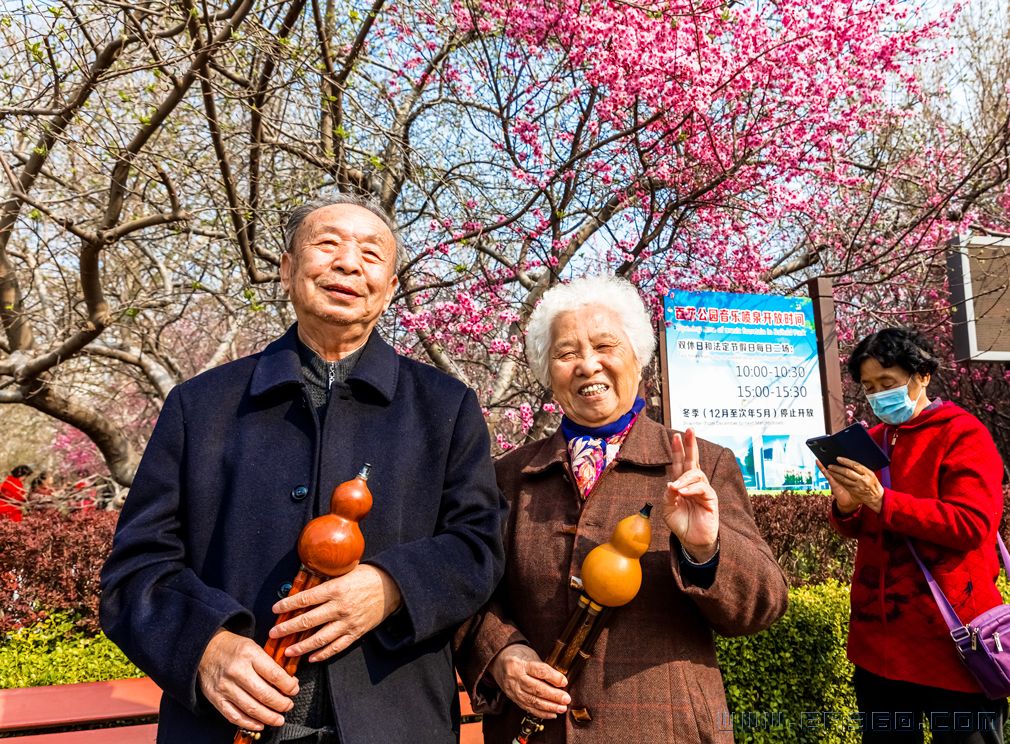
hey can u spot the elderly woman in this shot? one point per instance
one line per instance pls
(945, 498)
(653, 676)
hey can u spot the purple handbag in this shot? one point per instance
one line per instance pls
(979, 641)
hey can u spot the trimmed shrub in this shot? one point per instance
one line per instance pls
(792, 683)
(55, 652)
(795, 526)
(50, 562)
(788, 684)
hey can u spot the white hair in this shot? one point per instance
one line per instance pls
(297, 216)
(606, 291)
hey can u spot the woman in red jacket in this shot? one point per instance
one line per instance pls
(945, 495)
(12, 493)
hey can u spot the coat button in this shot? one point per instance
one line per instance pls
(285, 588)
(298, 493)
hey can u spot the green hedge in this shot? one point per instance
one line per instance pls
(774, 680)
(791, 683)
(54, 652)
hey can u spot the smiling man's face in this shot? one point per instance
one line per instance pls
(341, 272)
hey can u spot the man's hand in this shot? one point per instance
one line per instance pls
(343, 610)
(691, 507)
(528, 682)
(244, 683)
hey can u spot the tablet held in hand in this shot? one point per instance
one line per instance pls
(853, 442)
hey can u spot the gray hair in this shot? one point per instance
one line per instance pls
(606, 291)
(297, 216)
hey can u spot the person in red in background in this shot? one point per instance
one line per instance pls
(87, 492)
(43, 488)
(944, 496)
(43, 484)
(12, 493)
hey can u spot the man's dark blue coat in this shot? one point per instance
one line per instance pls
(231, 474)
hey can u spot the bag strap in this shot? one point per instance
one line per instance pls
(943, 604)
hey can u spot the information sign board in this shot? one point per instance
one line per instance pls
(742, 370)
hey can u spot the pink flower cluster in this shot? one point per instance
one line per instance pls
(680, 144)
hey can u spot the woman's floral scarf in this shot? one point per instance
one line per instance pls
(592, 449)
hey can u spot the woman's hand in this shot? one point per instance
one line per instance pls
(691, 507)
(528, 682)
(853, 485)
(843, 499)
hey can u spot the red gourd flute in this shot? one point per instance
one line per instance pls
(328, 546)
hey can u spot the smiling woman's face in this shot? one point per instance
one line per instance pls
(341, 271)
(594, 371)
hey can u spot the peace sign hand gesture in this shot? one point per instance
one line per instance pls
(691, 506)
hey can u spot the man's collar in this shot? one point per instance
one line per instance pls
(647, 444)
(280, 365)
(378, 367)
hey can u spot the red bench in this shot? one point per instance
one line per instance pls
(121, 711)
(71, 714)
(470, 731)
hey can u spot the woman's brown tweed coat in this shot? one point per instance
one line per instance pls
(653, 676)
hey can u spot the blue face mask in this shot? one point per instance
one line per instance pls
(893, 406)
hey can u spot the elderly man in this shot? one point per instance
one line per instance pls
(245, 454)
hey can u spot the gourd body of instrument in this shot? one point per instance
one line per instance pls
(611, 577)
(332, 544)
(611, 573)
(329, 546)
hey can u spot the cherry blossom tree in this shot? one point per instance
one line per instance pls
(962, 130)
(151, 148)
